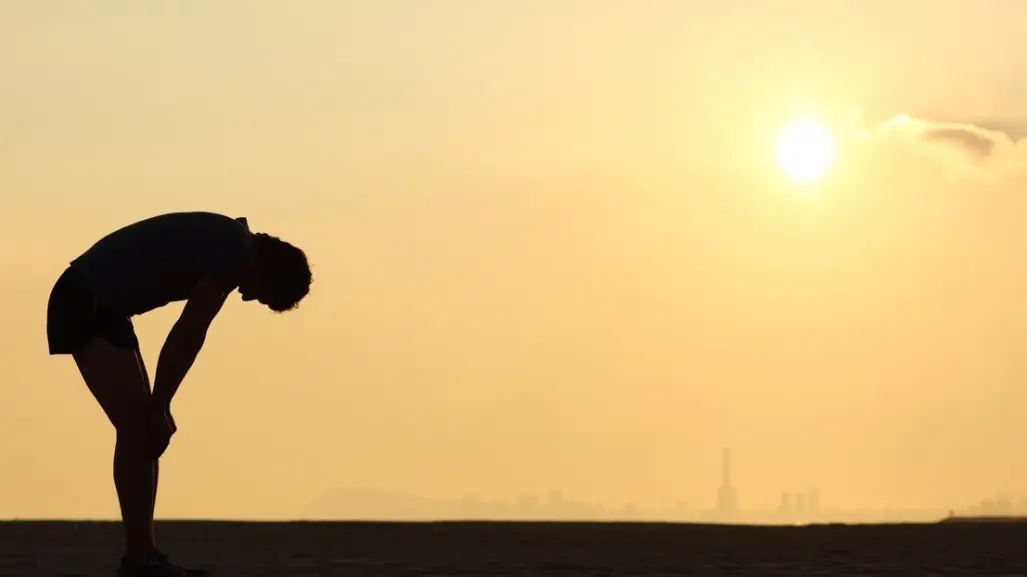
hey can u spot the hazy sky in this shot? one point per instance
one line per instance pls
(551, 248)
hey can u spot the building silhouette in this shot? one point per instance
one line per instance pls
(727, 499)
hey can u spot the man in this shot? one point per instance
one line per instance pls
(196, 257)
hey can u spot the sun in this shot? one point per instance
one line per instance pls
(805, 151)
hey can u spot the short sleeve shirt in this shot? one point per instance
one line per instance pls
(156, 261)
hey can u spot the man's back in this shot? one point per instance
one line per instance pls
(151, 263)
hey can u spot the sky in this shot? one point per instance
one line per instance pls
(551, 247)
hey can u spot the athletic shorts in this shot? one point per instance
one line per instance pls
(74, 319)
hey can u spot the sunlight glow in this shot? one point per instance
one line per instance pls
(805, 151)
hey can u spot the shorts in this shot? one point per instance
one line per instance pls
(74, 318)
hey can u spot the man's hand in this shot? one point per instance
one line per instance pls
(160, 427)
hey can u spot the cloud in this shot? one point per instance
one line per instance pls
(969, 138)
(959, 149)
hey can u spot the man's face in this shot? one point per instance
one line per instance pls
(252, 288)
(253, 293)
(247, 294)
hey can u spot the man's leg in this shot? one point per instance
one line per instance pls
(116, 378)
(153, 503)
(156, 462)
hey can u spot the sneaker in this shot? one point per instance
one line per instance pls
(157, 565)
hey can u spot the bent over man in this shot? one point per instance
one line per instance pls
(196, 257)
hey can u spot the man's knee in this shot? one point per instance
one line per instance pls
(131, 434)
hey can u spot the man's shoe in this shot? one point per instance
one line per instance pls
(157, 565)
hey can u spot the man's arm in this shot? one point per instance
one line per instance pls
(186, 339)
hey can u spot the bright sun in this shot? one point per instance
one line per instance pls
(805, 151)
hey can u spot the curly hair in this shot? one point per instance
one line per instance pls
(287, 275)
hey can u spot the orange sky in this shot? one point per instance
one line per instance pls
(551, 248)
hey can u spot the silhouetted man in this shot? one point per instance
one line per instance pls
(196, 257)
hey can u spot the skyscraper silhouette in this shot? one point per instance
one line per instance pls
(727, 500)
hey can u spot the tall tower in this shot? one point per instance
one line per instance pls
(727, 500)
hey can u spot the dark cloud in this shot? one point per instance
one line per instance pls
(1014, 129)
(992, 150)
(968, 138)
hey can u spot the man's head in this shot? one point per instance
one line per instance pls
(278, 276)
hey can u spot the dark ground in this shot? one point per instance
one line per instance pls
(39, 549)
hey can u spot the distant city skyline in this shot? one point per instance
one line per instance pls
(797, 506)
(381, 505)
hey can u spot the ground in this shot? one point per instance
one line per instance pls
(528, 549)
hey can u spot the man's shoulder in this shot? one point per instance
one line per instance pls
(209, 224)
(187, 219)
(207, 216)
(188, 228)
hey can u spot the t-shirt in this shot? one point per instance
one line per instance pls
(153, 262)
